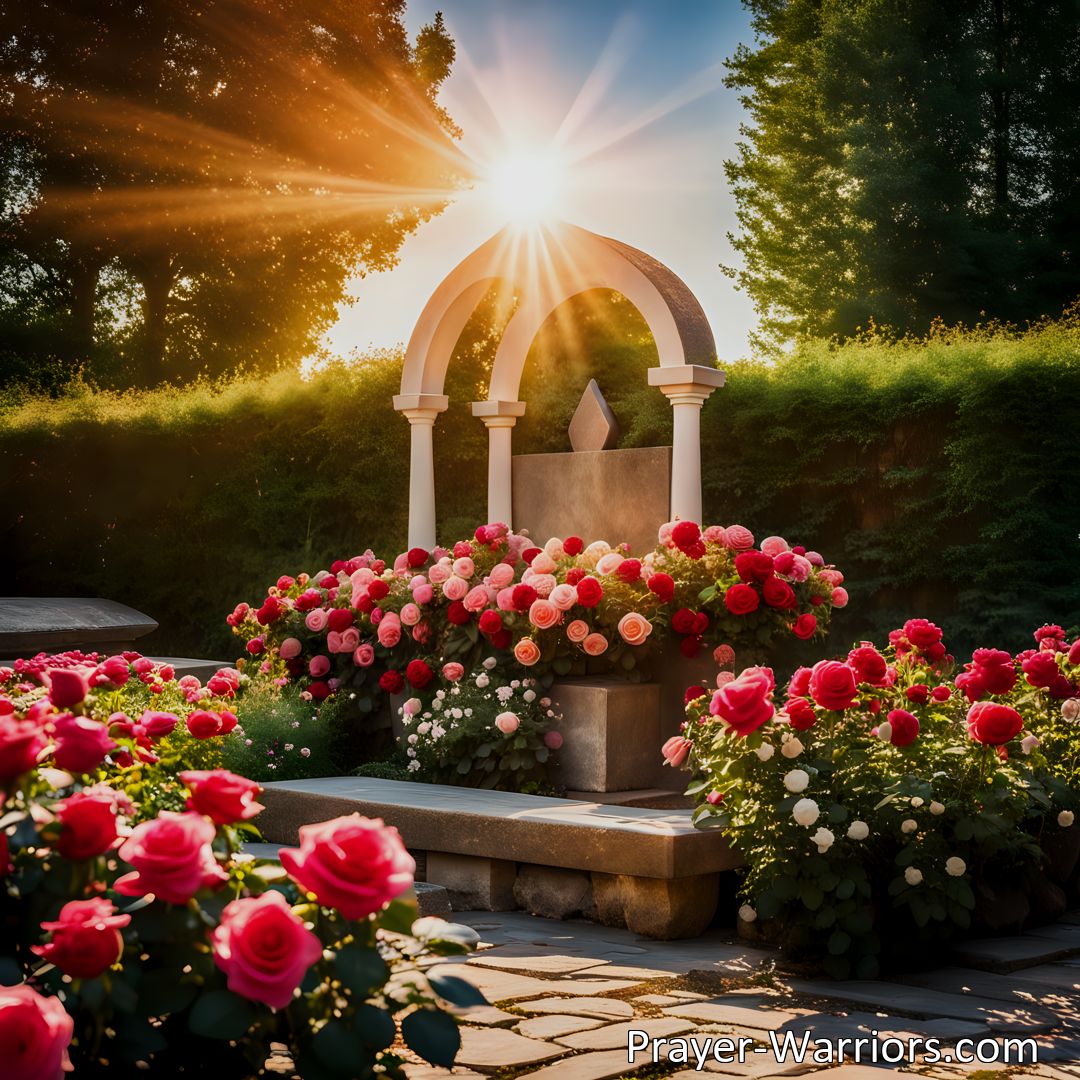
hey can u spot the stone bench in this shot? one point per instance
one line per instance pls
(33, 624)
(649, 870)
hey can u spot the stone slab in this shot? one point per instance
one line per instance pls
(597, 1066)
(497, 1048)
(611, 731)
(749, 1012)
(505, 825)
(551, 1027)
(524, 958)
(1007, 954)
(636, 487)
(33, 624)
(616, 1035)
(600, 1008)
(473, 884)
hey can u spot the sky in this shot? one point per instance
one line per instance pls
(623, 102)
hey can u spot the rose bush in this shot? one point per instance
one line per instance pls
(137, 933)
(888, 800)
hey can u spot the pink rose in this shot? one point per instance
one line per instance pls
(439, 574)
(172, 856)
(553, 740)
(34, 1032)
(634, 628)
(410, 615)
(464, 567)
(501, 575)
(453, 671)
(364, 656)
(85, 938)
(67, 686)
(354, 864)
(476, 599)
(264, 949)
(389, 631)
(81, 743)
(773, 545)
(455, 588)
(526, 652)
(316, 620)
(505, 599)
(745, 703)
(544, 584)
(564, 597)
(738, 538)
(222, 796)
(723, 678)
(543, 614)
(831, 576)
(609, 563)
(663, 537)
(318, 666)
(348, 640)
(290, 648)
(542, 564)
(839, 597)
(595, 644)
(507, 723)
(800, 568)
(87, 823)
(578, 630)
(21, 740)
(423, 594)
(676, 750)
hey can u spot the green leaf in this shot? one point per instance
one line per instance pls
(433, 1035)
(339, 1047)
(162, 992)
(374, 1026)
(360, 969)
(10, 972)
(839, 943)
(399, 916)
(221, 1014)
(456, 991)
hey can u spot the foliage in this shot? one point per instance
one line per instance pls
(168, 949)
(906, 162)
(892, 803)
(483, 731)
(189, 191)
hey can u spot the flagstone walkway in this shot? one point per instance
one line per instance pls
(565, 995)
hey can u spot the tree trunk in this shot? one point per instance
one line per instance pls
(157, 277)
(84, 278)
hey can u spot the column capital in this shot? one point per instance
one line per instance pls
(490, 410)
(421, 408)
(686, 384)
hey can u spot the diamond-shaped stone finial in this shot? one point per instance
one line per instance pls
(593, 426)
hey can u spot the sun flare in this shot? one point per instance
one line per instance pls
(525, 185)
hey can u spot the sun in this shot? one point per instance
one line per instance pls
(525, 185)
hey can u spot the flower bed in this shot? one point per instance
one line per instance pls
(135, 931)
(890, 801)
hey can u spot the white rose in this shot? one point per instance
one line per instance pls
(913, 876)
(805, 812)
(955, 867)
(490, 662)
(1065, 818)
(916, 802)
(1028, 743)
(765, 751)
(797, 781)
(858, 830)
(1070, 709)
(937, 808)
(884, 731)
(824, 839)
(529, 696)
(747, 913)
(909, 826)
(792, 748)
(482, 682)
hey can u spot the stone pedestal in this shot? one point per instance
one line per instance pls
(611, 730)
(474, 884)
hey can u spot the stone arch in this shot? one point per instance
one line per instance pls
(545, 269)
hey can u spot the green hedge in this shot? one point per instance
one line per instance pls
(939, 474)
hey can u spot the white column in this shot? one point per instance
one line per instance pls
(687, 387)
(499, 418)
(421, 410)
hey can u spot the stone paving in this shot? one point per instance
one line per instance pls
(566, 995)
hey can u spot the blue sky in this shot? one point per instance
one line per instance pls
(631, 93)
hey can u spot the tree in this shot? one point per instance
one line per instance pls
(907, 161)
(231, 163)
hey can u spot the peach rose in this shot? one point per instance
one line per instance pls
(455, 588)
(477, 598)
(609, 563)
(464, 567)
(634, 628)
(389, 630)
(543, 614)
(543, 564)
(554, 547)
(564, 597)
(595, 644)
(439, 573)
(453, 671)
(578, 630)
(507, 723)
(773, 545)
(501, 575)
(544, 584)
(410, 615)
(526, 652)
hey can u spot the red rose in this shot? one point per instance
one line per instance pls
(573, 545)
(228, 721)
(741, 599)
(269, 612)
(319, 690)
(922, 633)
(869, 665)
(1049, 632)
(745, 703)
(264, 948)
(416, 557)
(574, 575)
(85, 938)
(992, 724)
(919, 693)
(784, 563)
(354, 864)
(778, 594)
(629, 570)
(941, 693)
(81, 743)
(256, 646)
(35, 1032)
(204, 724)
(501, 640)
(589, 592)
(20, 743)
(662, 586)
(529, 554)
(1041, 669)
(693, 693)
(419, 674)
(682, 622)
(753, 566)
(172, 856)
(87, 824)
(523, 597)
(339, 619)
(800, 713)
(377, 589)
(905, 727)
(804, 626)
(800, 682)
(114, 670)
(1074, 652)
(67, 686)
(994, 669)
(832, 685)
(458, 614)
(222, 796)
(690, 646)
(490, 622)
(308, 599)
(392, 682)
(686, 536)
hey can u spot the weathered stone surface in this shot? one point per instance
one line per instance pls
(749, 1012)
(508, 986)
(473, 884)
(612, 732)
(636, 486)
(593, 425)
(1007, 954)
(33, 624)
(601, 1008)
(616, 1035)
(535, 959)
(598, 1066)
(432, 899)
(657, 907)
(494, 1048)
(553, 893)
(551, 1027)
